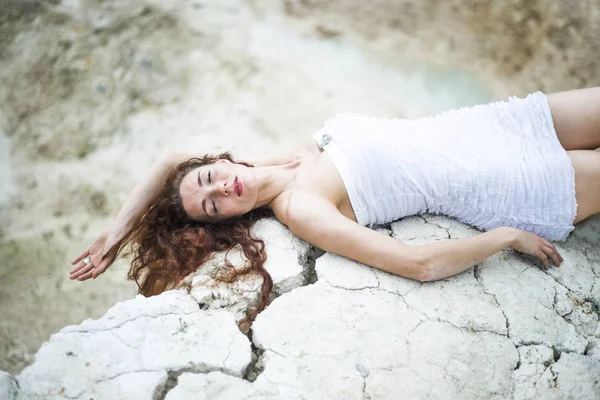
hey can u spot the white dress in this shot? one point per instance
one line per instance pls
(492, 165)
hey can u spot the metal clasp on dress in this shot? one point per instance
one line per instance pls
(325, 139)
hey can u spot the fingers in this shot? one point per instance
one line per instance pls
(102, 267)
(543, 257)
(553, 254)
(78, 268)
(87, 275)
(81, 270)
(545, 253)
(86, 271)
(549, 244)
(541, 248)
(80, 257)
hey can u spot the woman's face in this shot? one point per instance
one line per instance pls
(218, 191)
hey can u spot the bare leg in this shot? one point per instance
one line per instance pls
(586, 164)
(576, 116)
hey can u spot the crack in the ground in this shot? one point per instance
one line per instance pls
(364, 394)
(422, 217)
(229, 350)
(123, 341)
(585, 253)
(256, 366)
(161, 390)
(16, 387)
(531, 343)
(563, 318)
(377, 279)
(482, 287)
(589, 347)
(556, 351)
(110, 378)
(471, 329)
(418, 325)
(569, 290)
(555, 354)
(130, 320)
(518, 365)
(308, 262)
(425, 316)
(356, 289)
(173, 375)
(554, 300)
(439, 226)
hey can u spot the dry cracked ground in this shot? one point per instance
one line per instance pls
(92, 90)
(338, 329)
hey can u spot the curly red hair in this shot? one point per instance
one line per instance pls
(167, 245)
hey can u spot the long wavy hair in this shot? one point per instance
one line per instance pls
(166, 245)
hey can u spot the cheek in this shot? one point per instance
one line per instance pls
(232, 207)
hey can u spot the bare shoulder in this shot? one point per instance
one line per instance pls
(318, 221)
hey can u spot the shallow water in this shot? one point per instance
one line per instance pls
(421, 87)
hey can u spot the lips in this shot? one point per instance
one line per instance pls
(238, 187)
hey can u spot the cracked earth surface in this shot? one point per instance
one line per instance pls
(505, 329)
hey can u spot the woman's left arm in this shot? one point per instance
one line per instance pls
(319, 222)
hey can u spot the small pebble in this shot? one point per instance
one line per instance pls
(362, 370)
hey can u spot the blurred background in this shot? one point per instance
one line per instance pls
(91, 91)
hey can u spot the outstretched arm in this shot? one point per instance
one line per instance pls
(148, 188)
(103, 250)
(320, 223)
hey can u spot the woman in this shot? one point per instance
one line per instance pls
(524, 171)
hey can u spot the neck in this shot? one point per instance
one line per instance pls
(273, 180)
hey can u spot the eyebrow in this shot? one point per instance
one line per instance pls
(203, 200)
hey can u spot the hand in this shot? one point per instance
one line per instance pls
(530, 243)
(101, 254)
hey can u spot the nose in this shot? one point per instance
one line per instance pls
(221, 189)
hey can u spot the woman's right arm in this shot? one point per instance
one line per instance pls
(147, 189)
(102, 251)
(320, 223)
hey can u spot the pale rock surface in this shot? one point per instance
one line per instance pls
(594, 346)
(130, 351)
(504, 329)
(535, 354)
(287, 262)
(526, 296)
(333, 353)
(214, 385)
(8, 386)
(573, 376)
(415, 230)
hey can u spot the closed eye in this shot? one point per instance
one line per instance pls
(214, 207)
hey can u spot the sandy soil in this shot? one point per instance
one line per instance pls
(92, 91)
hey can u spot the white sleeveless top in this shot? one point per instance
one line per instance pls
(492, 165)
